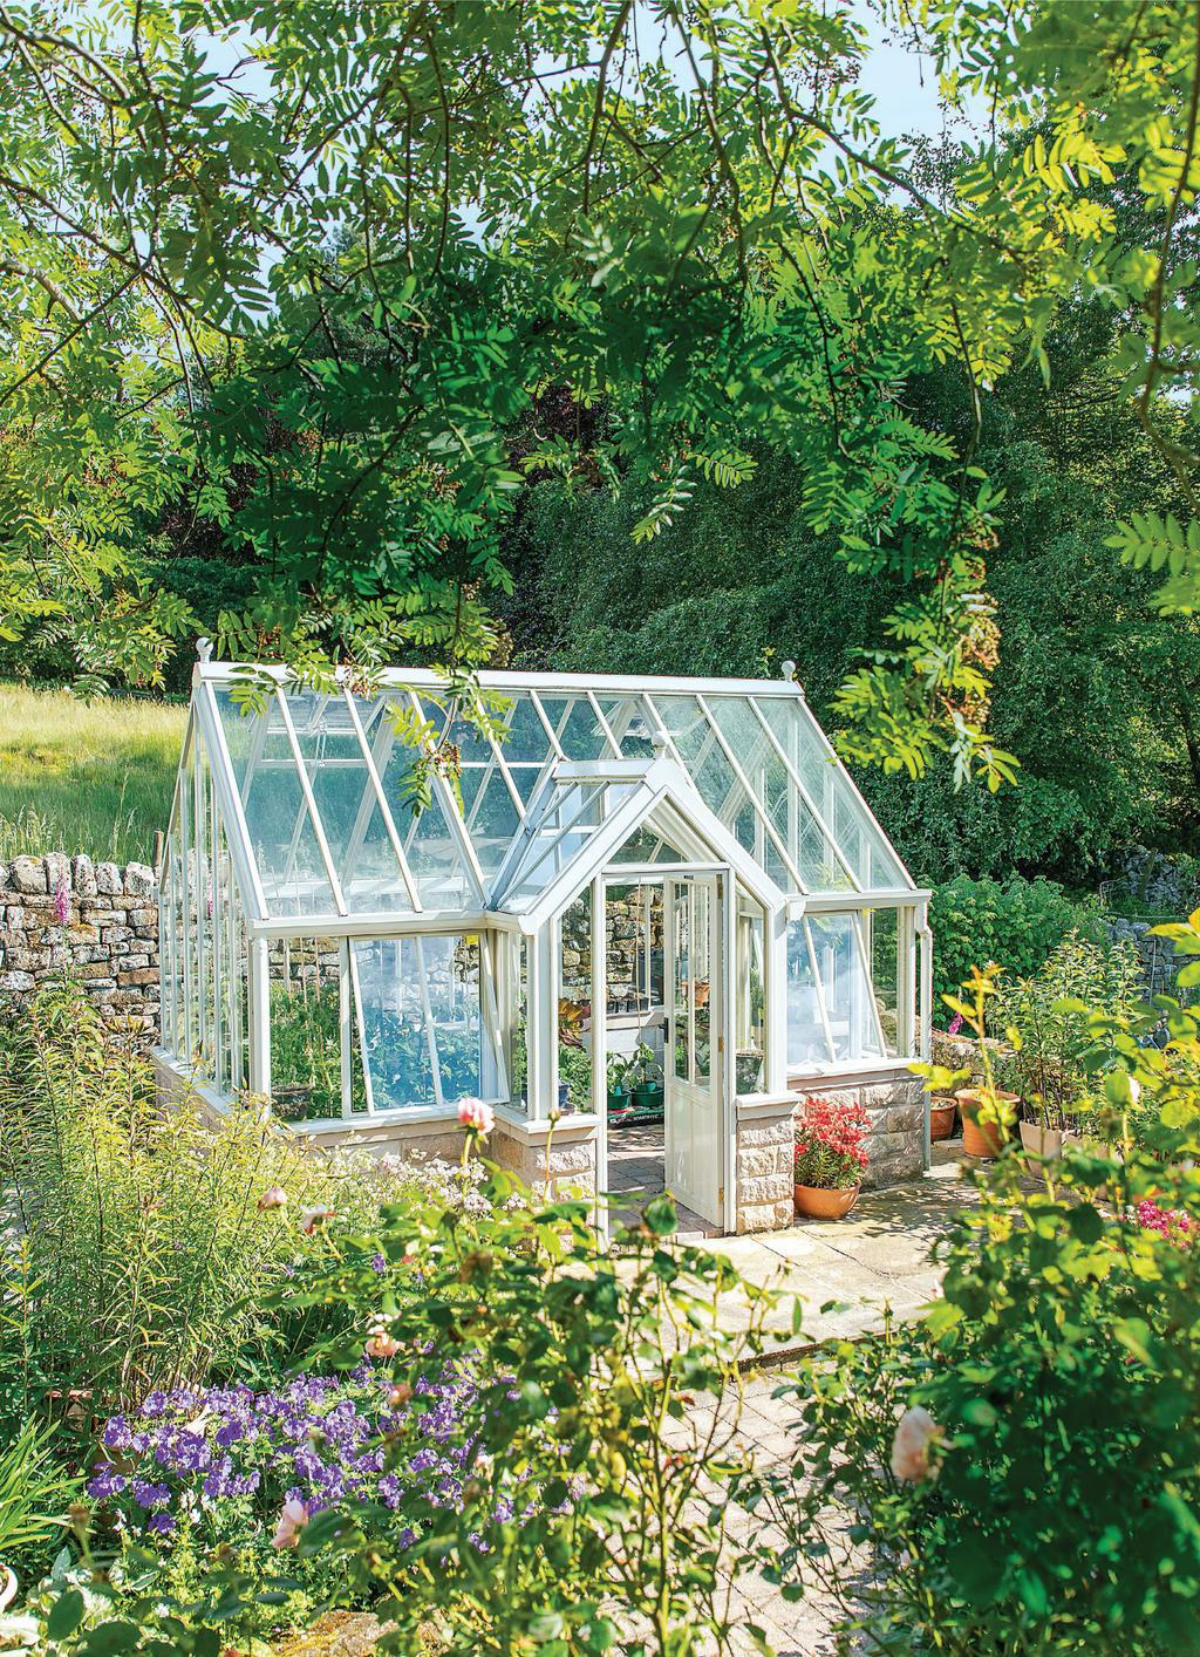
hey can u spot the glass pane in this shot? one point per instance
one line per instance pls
(518, 1043)
(849, 1004)
(883, 947)
(359, 845)
(421, 1010)
(629, 724)
(682, 987)
(750, 1007)
(575, 1006)
(306, 1045)
(429, 844)
(806, 1042)
(703, 899)
(282, 838)
(580, 734)
(835, 797)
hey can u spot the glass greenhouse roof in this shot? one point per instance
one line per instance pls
(320, 789)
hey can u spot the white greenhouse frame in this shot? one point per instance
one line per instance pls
(293, 827)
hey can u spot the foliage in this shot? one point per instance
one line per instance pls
(830, 1150)
(94, 777)
(585, 1371)
(1054, 1505)
(34, 1495)
(575, 1068)
(313, 325)
(203, 1472)
(587, 1364)
(1019, 922)
(1045, 1021)
(142, 1253)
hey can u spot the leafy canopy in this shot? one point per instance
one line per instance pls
(306, 266)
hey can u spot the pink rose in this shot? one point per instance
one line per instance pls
(916, 1432)
(475, 1116)
(273, 1197)
(292, 1519)
(382, 1344)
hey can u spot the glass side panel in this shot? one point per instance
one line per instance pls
(806, 1044)
(306, 1046)
(849, 1001)
(282, 838)
(883, 933)
(574, 815)
(359, 845)
(426, 1041)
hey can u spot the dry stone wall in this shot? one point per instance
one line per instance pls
(95, 922)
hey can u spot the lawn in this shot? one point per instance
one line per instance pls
(91, 777)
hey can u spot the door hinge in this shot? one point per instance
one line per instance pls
(721, 1194)
(720, 1044)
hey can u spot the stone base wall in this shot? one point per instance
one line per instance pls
(896, 1111)
(764, 1164)
(564, 1162)
(67, 916)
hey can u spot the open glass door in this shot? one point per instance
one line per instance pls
(694, 1048)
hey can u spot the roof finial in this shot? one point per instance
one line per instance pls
(658, 741)
(787, 670)
(204, 650)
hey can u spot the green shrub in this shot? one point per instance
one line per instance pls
(143, 1253)
(1017, 922)
(1023, 1465)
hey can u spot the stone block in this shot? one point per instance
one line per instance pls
(757, 1162)
(83, 876)
(108, 878)
(4, 877)
(58, 871)
(131, 961)
(904, 1118)
(15, 918)
(778, 1132)
(147, 918)
(16, 982)
(139, 879)
(138, 975)
(96, 972)
(100, 914)
(115, 934)
(771, 1216)
(755, 1192)
(28, 874)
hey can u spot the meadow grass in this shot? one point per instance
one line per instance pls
(91, 777)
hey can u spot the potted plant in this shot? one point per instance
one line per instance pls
(943, 1107)
(647, 1090)
(748, 1062)
(619, 1083)
(829, 1158)
(988, 1114)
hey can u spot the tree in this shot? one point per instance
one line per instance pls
(705, 229)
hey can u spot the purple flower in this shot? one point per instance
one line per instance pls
(378, 1262)
(162, 1524)
(62, 902)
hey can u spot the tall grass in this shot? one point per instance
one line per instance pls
(138, 1255)
(91, 777)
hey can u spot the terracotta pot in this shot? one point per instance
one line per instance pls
(981, 1140)
(817, 1203)
(941, 1117)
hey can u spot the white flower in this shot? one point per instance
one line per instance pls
(916, 1431)
(475, 1116)
(292, 1519)
(311, 1218)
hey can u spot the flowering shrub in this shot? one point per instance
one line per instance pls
(195, 1470)
(1021, 1464)
(1172, 1223)
(830, 1148)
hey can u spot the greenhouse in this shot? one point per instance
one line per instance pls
(579, 898)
